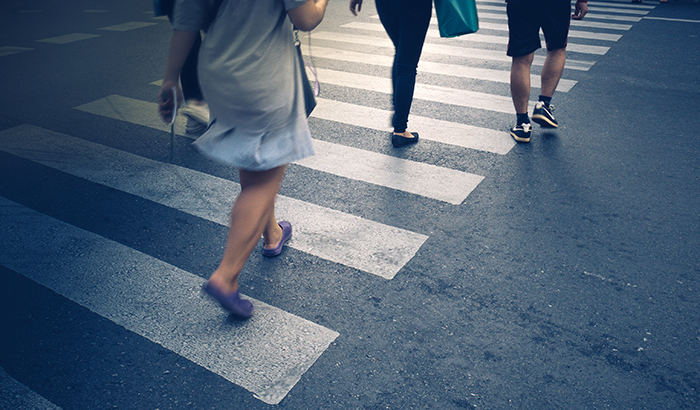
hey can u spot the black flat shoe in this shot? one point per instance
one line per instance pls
(401, 141)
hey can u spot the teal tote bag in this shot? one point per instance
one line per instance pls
(456, 17)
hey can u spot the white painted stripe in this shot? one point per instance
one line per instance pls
(482, 38)
(574, 23)
(332, 158)
(625, 5)
(463, 98)
(670, 19)
(15, 395)
(599, 4)
(616, 9)
(8, 50)
(133, 111)
(362, 244)
(266, 355)
(590, 9)
(442, 184)
(424, 66)
(461, 135)
(597, 24)
(572, 33)
(441, 49)
(612, 17)
(128, 26)
(68, 38)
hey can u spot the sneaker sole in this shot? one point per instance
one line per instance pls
(544, 121)
(519, 139)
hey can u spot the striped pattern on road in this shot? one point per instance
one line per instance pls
(485, 74)
(442, 184)
(433, 182)
(438, 49)
(481, 38)
(9, 50)
(365, 245)
(592, 10)
(574, 23)
(266, 355)
(452, 133)
(128, 26)
(428, 92)
(68, 38)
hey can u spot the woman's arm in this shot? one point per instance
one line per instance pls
(180, 45)
(307, 16)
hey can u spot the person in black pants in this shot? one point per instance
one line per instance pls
(406, 22)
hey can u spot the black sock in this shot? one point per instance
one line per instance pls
(523, 119)
(546, 100)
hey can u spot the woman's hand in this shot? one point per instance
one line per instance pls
(580, 9)
(355, 6)
(166, 101)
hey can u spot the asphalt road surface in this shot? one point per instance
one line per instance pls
(467, 271)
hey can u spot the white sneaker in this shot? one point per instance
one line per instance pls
(194, 127)
(199, 113)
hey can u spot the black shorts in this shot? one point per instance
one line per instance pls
(525, 18)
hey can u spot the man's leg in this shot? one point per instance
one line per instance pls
(552, 70)
(551, 73)
(520, 93)
(520, 82)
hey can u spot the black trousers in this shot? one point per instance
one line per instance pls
(406, 22)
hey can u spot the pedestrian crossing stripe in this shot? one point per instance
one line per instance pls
(586, 23)
(68, 38)
(591, 10)
(603, 4)
(9, 50)
(266, 355)
(442, 184)
(454, 70)
(132, 25)
(440, 49)
(332, 235)
(572, 33)
(480, 38)
(426, 180)
(428, 92)
(446, 132)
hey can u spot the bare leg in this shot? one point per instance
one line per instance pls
(253, 214)
(552, 70)
(520, 82)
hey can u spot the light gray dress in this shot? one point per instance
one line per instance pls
(250, 77)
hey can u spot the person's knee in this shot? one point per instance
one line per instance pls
(557, 52)
(523, 61)
(406, 69)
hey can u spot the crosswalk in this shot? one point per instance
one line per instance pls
(269, 354)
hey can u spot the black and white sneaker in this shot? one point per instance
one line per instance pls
(521, 132)
(542, 115)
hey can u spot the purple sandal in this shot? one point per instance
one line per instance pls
(231, 302)
(286, 235)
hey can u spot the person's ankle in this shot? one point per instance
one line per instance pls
(405, 134)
